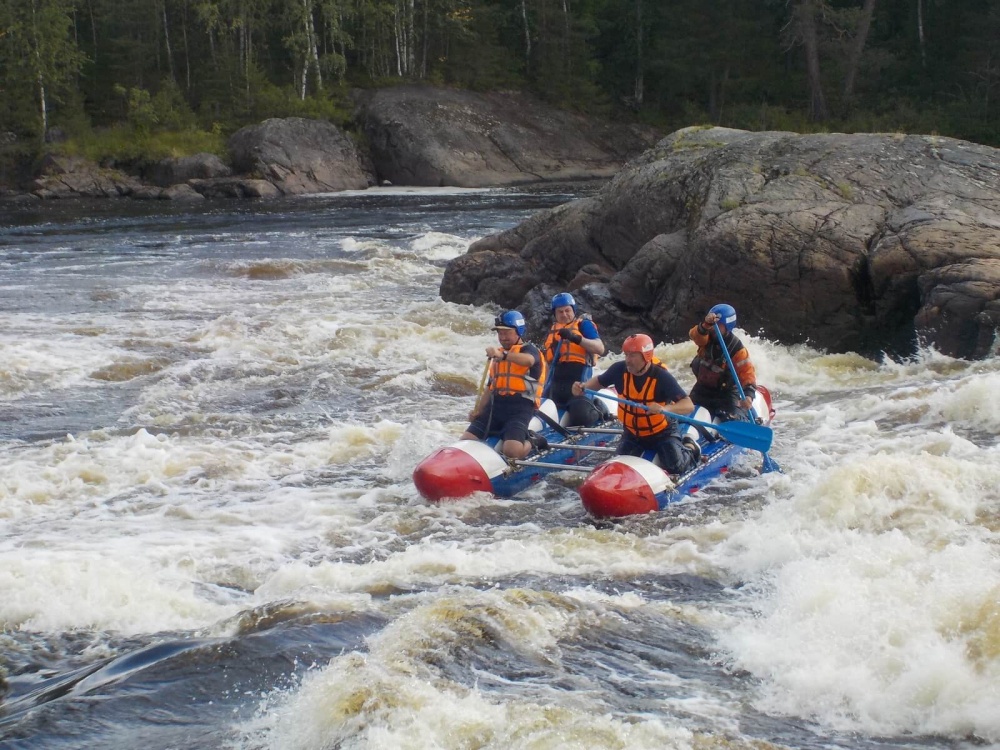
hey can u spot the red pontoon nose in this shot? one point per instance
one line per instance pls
(450, 473)
(621, 487)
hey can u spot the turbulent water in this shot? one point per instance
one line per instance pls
(209, 537)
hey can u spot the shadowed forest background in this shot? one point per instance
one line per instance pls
(132, 79)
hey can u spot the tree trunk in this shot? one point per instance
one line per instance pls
(638, 93)
(920, 33)
(166, 41)
(423, 51)
(567, 43)
(527, 36)
(187, 50)
(810, 43)
(43, 109)
(313, 53)
(857, 48)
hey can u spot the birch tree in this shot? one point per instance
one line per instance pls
(39, 54)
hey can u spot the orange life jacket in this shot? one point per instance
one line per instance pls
(567, 350)
(509, 379)
(640, 422)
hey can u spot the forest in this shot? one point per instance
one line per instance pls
(145, 69)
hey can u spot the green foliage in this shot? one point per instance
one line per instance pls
(275, 101)
(40, 62)
(139, 110)
(220, 64)
(124, 144)
(171, 110)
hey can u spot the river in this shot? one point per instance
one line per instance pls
(209, 537)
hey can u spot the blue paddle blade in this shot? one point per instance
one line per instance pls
(770, 465)
(753, 436)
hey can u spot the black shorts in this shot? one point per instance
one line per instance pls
(507, 416)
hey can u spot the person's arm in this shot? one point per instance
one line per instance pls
(524, 359)
(607, 379)
(481, 403)
(591, 341)
(588, 338)
(670, 397)
(591, 385)
(486, 394)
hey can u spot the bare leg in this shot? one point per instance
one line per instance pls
(516, 448)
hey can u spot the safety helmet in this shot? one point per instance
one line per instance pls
(510, 319)
(727, 315)
(563, 299)
(641, 343)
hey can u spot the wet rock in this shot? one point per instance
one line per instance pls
(864, 242)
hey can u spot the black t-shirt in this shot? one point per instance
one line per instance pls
(666, 391)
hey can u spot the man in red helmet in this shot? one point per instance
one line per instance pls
(507, 405)
(643, 379)
(715, 388)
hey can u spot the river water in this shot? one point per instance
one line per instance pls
(209, 537)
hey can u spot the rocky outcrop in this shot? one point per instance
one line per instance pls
(177, 171)
(424, 135)
(418, 135)
(300, 156)
(866, 243)
(73, 177)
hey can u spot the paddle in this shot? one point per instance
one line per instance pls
(482, 380)
(754, 436)
(548, 379)
(769, 463)
(552, 423)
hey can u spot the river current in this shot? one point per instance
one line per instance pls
(209, 537)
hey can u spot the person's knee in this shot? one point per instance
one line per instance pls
(516, 448)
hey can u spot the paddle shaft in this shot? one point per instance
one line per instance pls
(482, 380)
(756, 437)
(732, 368)
(769, 463)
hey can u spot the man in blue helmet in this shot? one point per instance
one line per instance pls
(715, 388)
(516, 374)
(571, 350)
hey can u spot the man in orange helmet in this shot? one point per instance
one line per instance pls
(643, 379)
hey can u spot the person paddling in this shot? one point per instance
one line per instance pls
(642, 379)
(715, 388)
(571, 351)
(513, 392)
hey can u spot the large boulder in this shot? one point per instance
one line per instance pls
(177, 171)
(59, 176)
(299, 156)
(866, 243)
(432, 136)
